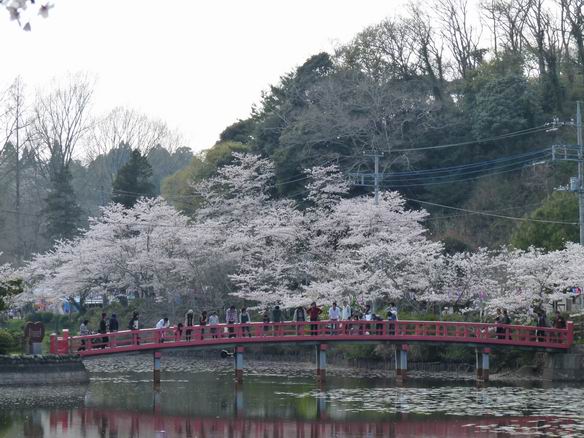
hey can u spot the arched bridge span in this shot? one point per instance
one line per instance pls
(321, 333)
(398, 332)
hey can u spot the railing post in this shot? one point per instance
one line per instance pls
(53, 343)
(570, 337)
(64, 345)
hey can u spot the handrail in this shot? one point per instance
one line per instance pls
(294, 332)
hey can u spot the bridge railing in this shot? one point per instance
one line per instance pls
(396, 331)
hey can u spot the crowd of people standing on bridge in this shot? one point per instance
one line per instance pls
(335, 316)
(313, 313)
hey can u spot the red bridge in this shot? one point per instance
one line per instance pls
(479, 335)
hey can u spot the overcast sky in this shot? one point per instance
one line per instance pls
(198, 65)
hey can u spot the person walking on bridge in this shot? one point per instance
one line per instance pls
(84, 331)
(367, 316)
(230, 318)
(506, 319)
(213, 321)
(346, 316)
(189, 322)
(103, 330)
(313, 312)
(266, 320)
(278, 318)
(299, 317)
(541, 322)
(559, 321)
(113, 323)
(134, 324)
(162, 325)
(245, 319)
(334, 316)
(203, 323)
(392, 317)
(498, 321)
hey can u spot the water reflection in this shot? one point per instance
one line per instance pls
(209, 404)
(105, 423)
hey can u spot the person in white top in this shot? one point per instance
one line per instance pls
(213, 320)
(162, 324)
(367, 315)
(346, 313)
(334, 315)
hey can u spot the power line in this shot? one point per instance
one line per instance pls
(484, 164)
(480, 140)
(462, 214)
(465, 172)
(486, 213)
(454, 181)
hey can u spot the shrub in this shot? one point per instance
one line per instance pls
(7, 342)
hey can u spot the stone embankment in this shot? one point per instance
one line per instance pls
(567, 366)
(42, 370)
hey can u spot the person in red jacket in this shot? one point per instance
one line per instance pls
(313, 312)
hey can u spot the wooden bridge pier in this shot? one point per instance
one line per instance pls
(157, 357)
(238, 359)
(401, 362)
(483, 364)
(321, 362)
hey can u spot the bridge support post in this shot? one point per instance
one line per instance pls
(321, 362)
(401, 362)
(483, 364)
(239, 400)
(239, 363)
(157, 356)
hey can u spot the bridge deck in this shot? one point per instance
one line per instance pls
(478, 334)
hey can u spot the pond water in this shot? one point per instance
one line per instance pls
(198, 398)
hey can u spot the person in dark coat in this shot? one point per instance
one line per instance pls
(134, 324)
(541, 322)
(559, 321)
(113, 323)
(103, 329)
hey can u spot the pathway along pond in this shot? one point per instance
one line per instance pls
(198, 398)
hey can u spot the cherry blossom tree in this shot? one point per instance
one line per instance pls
(507, 278)
(374, 252)
(23, 11)
(257, 235)
(139, 250)
(248, 244)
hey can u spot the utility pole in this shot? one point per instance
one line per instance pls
(574, 153)
(580, 173)
(376, 176)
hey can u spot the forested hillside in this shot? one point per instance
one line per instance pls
(58, 161)
(459, 102)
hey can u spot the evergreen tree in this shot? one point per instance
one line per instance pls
(133, 181)
(560, 207)
(62, 212)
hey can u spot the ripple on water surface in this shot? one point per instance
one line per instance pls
(200, 396)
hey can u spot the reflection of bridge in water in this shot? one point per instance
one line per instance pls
(100, 422)
(480, 336)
